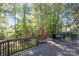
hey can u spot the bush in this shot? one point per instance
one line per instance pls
(69, 35)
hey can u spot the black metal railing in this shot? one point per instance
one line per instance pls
(9, 47)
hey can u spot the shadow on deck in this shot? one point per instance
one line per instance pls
(50, 48)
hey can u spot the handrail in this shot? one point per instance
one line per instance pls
(8, 47)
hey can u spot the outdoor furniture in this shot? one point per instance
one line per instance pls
(56, 37)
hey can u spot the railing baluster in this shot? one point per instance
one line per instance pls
(22, 45)
(8, 48)
(5, 48)
(19, 44)
(0, 49)
(16, 45)
(11, 46)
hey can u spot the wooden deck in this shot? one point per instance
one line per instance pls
(50, 48)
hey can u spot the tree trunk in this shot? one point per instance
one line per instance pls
(15, 19)
(24, 22)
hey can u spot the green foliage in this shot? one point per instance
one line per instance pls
(29, 18)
